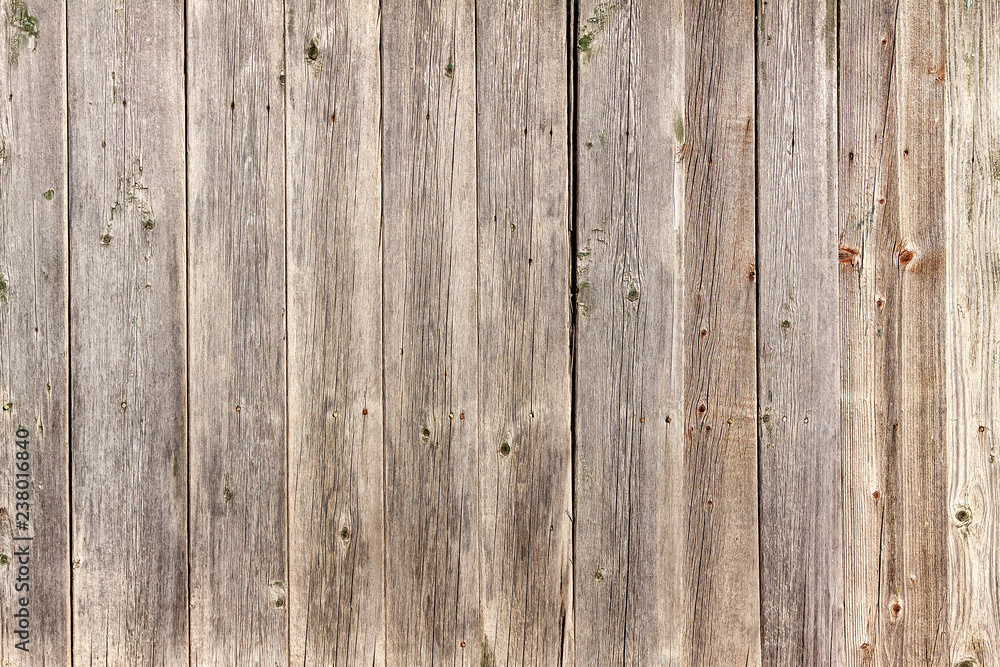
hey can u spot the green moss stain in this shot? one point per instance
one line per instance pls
(679, 129)
(312, 51)
(3, 559)
(594, 25)
(449, 69)
(830, 32)
(49, 194)
(487, 659)
(25, 29)
(3, 290)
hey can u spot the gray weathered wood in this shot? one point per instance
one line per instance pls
(798, 338)
(631, 505)
(237, 389)
(525, 454)
(432, 376)
(973, 247)
(337, 552)
(892, 257)
(719, 340)
(33, 328)
(127, 246)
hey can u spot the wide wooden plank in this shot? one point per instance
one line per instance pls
(973, 251)
(798, 339)
(631, 503)
(892, 257)
(432, 377)
(34, 362)
(128, 319)
(525, 452)
(236, 303)
(337, 551)
(719, 419)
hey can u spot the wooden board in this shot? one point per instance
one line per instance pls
(912, 576)
(972, 134)
(523, 298)
(431, 318)
(236, 305)
(798, 340)
(720, 402)
(337, 552)
(630, 503)
(34, 343)
(869, 222)
(500, 333)
(128, 319)
(892, 257)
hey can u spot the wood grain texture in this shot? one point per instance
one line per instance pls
(973, 286)
(236, 301)
(525, 452)
(337, 552)
(630, 502)
(432, 374)
(720, 403)
(34, 341)
(869, 228)
(127, 243)
(920, 444)
(798, 339)
(893, 264)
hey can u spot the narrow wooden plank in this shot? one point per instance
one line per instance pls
(920, 445)
(237, 389)
(923, 464)
(34, 362)
(720, 402)
(798, 336)
(127, 243)
(631, 501)
(525, 452)
(337, 551)
(432, 378)
(892, 289)
(869, 225)
(973, 198)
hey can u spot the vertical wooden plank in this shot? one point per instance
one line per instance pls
(720, 403)
(973, 199)
(798, 345)
(893, 270)
(128, 318)
(432, 377)
(921, 624)
(631, 504)
(525, 471)
(869, 227)
(236, 274)
(336, 530)
(34, 444)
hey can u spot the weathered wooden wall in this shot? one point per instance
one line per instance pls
(499, 333)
